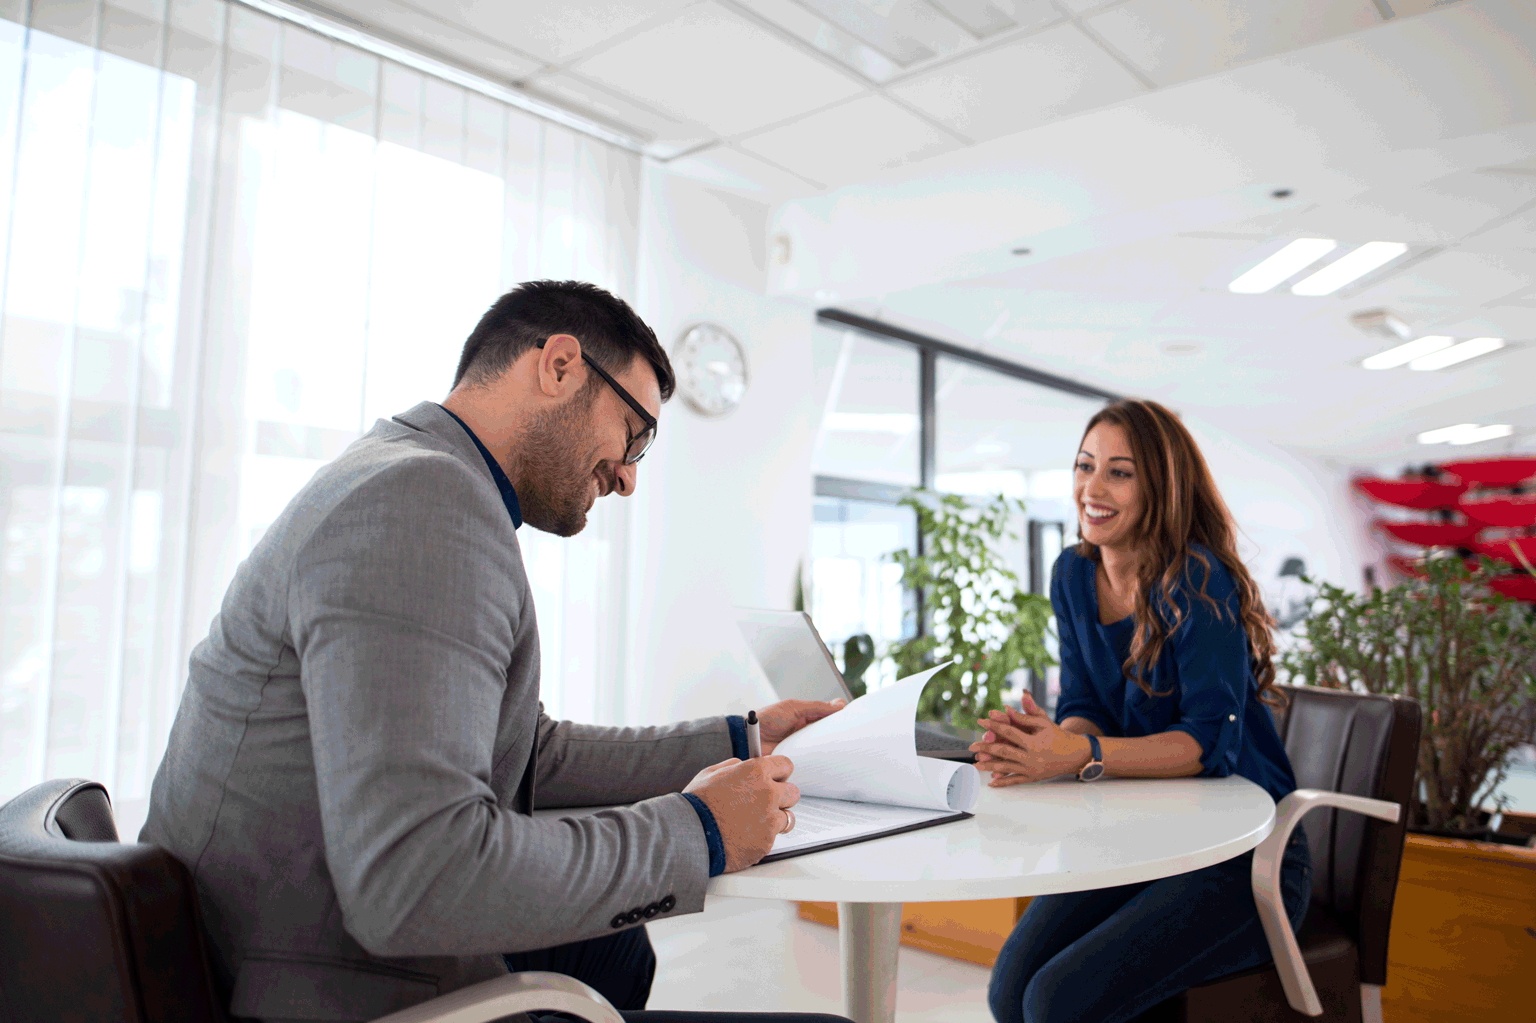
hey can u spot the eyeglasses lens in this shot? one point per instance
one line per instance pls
(639, 445)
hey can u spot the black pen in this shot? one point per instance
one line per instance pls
(754, 740)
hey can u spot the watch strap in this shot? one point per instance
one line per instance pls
(1094, 768)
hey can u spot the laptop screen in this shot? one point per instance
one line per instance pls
(790, 651)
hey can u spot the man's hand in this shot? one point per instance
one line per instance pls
(781, 720)
(1026, 745)
(748, 799)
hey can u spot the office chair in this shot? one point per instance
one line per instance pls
(96, 931)
(1353, 752)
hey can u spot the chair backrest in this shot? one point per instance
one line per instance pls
(1363, 745)
(90, 929)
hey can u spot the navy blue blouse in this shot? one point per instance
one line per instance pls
(1204, 667)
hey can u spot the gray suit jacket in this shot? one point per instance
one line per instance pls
(360, 742)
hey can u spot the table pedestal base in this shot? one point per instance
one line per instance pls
(869, 933)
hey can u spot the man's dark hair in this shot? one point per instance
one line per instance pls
(608, 329)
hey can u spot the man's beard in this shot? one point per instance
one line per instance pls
(555, 472)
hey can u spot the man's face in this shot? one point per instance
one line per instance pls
(575, 451)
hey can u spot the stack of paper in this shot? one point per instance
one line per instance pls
(860, 776)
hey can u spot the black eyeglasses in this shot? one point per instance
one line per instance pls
(639, 443)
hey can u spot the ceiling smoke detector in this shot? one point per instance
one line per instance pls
(1381, 323)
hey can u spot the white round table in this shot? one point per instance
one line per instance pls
(1057, 836)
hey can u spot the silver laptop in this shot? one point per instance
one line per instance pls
(800, 667)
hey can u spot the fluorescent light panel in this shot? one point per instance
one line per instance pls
(1465, 433)
(1349, 267)
(1457, 353)
(1404, 353)
(1292, 259)
(1483, 433)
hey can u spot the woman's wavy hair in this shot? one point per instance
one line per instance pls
(1180, 508)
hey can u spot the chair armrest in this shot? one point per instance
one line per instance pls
(516, 992)
(1299, 990)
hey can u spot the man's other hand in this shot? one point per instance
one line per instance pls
(779, 721)
(748, 799)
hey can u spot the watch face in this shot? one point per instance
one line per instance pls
(711, 369)
(1091, 772)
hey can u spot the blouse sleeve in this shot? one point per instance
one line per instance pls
(1078, 697)
(1210, 651)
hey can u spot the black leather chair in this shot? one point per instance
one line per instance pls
(95, 931)
(1351, 752)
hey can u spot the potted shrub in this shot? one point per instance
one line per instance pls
(1467, 655)
(972, 604)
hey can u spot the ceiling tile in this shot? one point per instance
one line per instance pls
(1085, 6)
(1518, 232)
(1471, 278)
(553, 30)
(665, 136)
(729, 168)
(1512, 322)
(1020, 85)
(712, 66)
(1437, 213)
(430, 34)
(1175, 40)
(850, 142)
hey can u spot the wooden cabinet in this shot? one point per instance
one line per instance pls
(1463, 942)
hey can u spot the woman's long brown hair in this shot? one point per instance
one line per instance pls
(1180, 506)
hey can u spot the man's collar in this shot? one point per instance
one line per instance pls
(508, 495)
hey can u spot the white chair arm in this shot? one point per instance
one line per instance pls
(1299, 990)
(516, 992)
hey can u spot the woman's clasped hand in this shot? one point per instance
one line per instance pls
(1026, 745)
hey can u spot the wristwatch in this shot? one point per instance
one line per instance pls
(1093, 770)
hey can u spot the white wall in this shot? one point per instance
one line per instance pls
(723, 509)
(1286, 504)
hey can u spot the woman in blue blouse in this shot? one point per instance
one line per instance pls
(1165, 673)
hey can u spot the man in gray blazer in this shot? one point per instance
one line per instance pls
(360, 742)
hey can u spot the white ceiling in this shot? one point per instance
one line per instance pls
(909, 146)
(788, 96)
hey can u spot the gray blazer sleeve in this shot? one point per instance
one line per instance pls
(399, 620)
(591, 765)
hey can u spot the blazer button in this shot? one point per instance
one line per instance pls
(635, 916)
(1231, 717)
(667, 904)
(652, 910)
(619, 921)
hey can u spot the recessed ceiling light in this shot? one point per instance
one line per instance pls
(1457, 353)
(1292, 259)
(1465, 433)
(1393, 357)
(1182, 347)
(1349, 267)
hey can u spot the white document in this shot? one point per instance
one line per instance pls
(859, 772)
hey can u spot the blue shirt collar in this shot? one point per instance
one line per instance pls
(508, 495)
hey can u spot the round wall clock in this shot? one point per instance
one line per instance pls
(711, 369)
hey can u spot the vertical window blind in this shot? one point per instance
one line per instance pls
(229, 245)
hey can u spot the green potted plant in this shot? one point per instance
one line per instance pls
(974, 608)
(1465, 654)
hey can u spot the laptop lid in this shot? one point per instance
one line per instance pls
(790, 651)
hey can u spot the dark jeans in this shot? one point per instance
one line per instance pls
(1106, 956)
(621, 967)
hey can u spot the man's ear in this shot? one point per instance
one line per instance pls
(559, 368)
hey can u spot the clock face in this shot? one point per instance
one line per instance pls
(711, 369)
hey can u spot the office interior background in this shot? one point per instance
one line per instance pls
(236, 232)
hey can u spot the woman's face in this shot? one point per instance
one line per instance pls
(1106, 487)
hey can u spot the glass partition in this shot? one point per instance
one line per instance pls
(870, 422)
